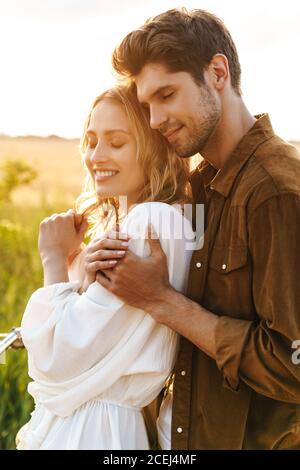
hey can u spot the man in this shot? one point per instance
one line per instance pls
(236, 385)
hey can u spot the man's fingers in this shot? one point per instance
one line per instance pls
(153, 240)
(98, 265)
(102, 279)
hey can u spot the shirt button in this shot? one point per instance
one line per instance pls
(211, 187)
(198, 265)
(183, 372)
(179, 430)
(224, 266)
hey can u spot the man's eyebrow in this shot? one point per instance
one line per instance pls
(155, 93)
(108, 132)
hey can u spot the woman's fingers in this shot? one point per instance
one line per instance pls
(99, 265)
(102, 259)
(108, 244)
(113, 235)
(102, 255)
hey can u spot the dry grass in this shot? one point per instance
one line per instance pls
(57, 161)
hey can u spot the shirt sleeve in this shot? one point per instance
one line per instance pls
(261, 353)
(94, 338)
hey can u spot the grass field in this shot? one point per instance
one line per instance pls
(60, 174)
(57, 161)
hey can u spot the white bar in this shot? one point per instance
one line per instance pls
(9, 339)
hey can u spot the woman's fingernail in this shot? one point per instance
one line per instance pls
(121, 252)
(113, 261)
(124, 243)
(123, 236)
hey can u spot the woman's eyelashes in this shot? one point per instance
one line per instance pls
(117, 145)
(92, 144)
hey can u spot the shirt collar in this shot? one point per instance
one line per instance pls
(222, 180)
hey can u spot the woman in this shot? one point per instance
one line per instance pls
(96, 362)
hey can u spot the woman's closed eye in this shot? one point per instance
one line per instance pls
(117, 144)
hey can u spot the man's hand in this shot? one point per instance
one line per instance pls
(144, 283)
(139, 282)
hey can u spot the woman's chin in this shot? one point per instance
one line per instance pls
(105, 193)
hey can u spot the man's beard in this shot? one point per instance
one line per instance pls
(201, 127)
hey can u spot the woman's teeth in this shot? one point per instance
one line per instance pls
(105, 173)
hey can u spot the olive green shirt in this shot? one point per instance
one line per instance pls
(247, 273)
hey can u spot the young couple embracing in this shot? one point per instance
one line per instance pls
(154, 335)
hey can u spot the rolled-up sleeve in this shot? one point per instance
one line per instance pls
(261, 353)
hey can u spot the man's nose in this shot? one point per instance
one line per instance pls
(157, 117)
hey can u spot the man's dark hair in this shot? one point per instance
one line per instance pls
(181, 40)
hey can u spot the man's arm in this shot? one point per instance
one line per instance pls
(186, 317)
(259, 353)
(144, 283)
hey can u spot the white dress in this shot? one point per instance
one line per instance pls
(95, 361)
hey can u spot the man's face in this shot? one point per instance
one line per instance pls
(185, 113)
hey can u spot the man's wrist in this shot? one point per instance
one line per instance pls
(162, 304)
(187, 318)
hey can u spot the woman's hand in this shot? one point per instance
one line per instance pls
(61, 235)
(103, 254)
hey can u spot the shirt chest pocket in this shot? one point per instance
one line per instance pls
(228, 287)
(226, 260)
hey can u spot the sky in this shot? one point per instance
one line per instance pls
(55, 58)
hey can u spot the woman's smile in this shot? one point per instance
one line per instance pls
(104, 175)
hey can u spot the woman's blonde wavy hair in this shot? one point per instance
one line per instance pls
(166, 175)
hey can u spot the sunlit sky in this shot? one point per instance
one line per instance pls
(55, 57)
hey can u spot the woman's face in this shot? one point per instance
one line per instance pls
(111, 153)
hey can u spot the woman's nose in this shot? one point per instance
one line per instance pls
(99, 154)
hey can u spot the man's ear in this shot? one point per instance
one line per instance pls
(218, 70)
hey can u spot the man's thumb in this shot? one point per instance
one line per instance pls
(153, 240)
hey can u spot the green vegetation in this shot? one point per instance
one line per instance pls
(20, 274)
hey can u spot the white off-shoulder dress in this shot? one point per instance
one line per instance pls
(96, 362)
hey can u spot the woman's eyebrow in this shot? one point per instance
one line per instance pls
(112, 131)
(108, 132)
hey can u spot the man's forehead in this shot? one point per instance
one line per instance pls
(151, 79)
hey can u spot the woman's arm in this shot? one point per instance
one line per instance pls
(71, 337)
